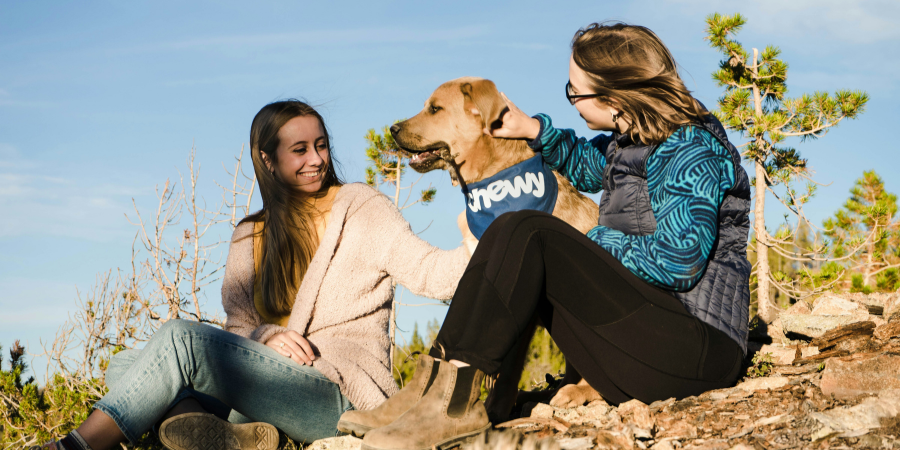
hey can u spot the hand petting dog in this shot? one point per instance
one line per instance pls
(515, 124)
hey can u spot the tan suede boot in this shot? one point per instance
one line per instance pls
(358, 423)
(448, 414)
(203, 431)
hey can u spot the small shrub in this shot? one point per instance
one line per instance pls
(761, 365)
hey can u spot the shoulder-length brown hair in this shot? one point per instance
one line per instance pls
(289, 234)
(631, 68)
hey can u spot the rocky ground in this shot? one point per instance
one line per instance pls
(824, 375)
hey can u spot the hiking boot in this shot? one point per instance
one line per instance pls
(448, 414)
(204, 431)
(358, 423)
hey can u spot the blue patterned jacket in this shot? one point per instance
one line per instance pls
(676, 214)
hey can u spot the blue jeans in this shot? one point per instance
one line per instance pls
(229, 375)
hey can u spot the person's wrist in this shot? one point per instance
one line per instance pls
(534, 128)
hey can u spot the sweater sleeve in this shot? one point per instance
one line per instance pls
(419, 266)
(237, 289)
(687, 181)
(580, 160)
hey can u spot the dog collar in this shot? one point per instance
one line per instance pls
(527, 185)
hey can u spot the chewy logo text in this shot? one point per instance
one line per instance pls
(498, 190)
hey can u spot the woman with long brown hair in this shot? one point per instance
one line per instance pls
(307, 290)
(652, 303)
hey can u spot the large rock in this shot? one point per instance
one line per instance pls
(812, 326)
(755, 384)
(637, 413)
(799, 307)
(836, 306)
(888, 330)
(849, 377)
(785, 355)
(856, 419)
(336, 443)
(542, 411)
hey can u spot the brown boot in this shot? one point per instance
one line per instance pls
(358, 423)
(448, 414)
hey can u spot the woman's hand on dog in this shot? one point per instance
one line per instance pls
(292, 345)
(515, 124)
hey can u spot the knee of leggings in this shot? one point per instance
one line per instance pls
(514, 218)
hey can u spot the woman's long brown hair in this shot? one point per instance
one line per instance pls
(632, 69)
(289, 234)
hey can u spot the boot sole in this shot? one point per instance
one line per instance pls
(203, 431)
(353, 429)
(442, 445)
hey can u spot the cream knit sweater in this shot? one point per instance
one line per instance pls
(344, 301)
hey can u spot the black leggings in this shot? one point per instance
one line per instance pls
(626, 337)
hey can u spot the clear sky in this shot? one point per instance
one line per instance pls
(101, 101)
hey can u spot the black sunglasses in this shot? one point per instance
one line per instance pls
(573, 97)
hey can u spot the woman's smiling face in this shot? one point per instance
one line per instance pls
(302, 154)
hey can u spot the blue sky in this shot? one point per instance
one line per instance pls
(101, 101)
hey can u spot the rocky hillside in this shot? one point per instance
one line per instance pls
(824, 375)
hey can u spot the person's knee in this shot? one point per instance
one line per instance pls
(524, 219)
(525, 215)
(176, 327)
(119, 364)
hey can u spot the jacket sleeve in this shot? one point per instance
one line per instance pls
(237, 289)
(687, 184)
(580, 160)
(419, 266)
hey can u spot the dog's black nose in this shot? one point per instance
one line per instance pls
(395, 128)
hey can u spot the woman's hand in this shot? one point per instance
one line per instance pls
(515, 124)
(294, 346)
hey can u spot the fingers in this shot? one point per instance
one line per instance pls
(303, 344)
(512, 106)
(297, 353)
(286, 348)
(291, 345)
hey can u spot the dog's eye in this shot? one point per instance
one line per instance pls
(435, 109)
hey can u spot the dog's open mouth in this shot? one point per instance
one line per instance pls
(423, 157)
(427, 159)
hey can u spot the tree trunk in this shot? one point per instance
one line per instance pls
(393, 330)
(765, 309)
(870, 251)
(393, 325)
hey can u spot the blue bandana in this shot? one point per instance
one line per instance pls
(527, 185)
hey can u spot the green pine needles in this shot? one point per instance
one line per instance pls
(755, 103)
(866, 222)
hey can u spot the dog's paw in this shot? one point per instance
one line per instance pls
(573, 395)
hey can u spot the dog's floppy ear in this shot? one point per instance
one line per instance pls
(484, 96)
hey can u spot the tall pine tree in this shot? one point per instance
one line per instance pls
(755, 105)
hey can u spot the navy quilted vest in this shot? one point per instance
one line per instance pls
(721, 298)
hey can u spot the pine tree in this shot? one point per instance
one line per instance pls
(866, 221)
(755, 104)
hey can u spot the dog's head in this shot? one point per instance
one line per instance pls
(450, 128)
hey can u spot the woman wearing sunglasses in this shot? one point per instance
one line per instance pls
(653, 303)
